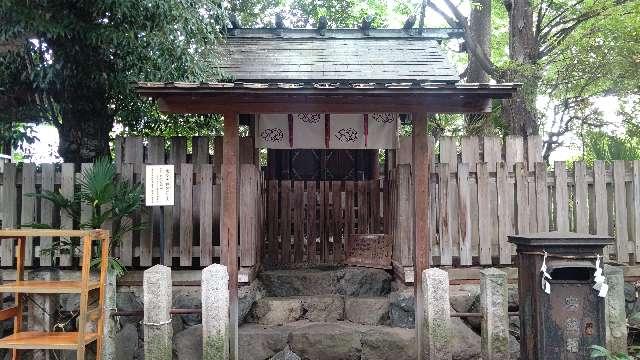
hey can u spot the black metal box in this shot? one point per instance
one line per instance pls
(566, 322)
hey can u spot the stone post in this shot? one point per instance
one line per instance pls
(42, 308)
(158, 330)
(615, 315)
(215, 313)
(109, 323)
(436, 331)
(494, 306)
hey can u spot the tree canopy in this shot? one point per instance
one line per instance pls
(72, 64)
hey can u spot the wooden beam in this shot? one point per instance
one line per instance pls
(332, 104)
(420, 170)
(230, 165)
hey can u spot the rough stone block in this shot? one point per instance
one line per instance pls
(215, 312)
(436, 325)
(157, 318)
(402, 309)
(261, 342)
(277, 311)
(327, 341)
(385, 343)
(323, 308)
(367, 311)
(494, 306)
(187, 344)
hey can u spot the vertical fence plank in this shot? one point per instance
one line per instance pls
(471, 156)
(449, 151)
(464, 215)
(374, 216)
(186, 214)
(146, 218)
(443, 210)
(177, 156)
(562, 196)
(133, 150)
(336, 195)
(504, 213)
(349, 213)
(126, 243)
(363, 208)
(9, 220)
(155, 156)
(28, 208)
(206, 214)
(534, 151)
(67, 190)
(522, 198)
(600, 195)
(298, 222)
(620, 195)
(582, 197)
(492, 152)
(272, 218)
(484, 214)
(514, 150)
(636, 208)
(542, 197)
(285, 221)
(249, 214)
(200, 145)
(118, 149)
(46, 214)
(312, 201)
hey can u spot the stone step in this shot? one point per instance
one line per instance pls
(347, 281)
(320, 308)
(331, 341)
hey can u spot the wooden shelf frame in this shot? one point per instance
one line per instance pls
(77, 341)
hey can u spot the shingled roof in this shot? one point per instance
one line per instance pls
(343, 55)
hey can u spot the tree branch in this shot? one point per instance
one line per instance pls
(473, 48)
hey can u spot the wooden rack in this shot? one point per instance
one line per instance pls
(21, 340)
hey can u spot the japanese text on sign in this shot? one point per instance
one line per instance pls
(159, 183)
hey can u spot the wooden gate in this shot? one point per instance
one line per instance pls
(309, 222)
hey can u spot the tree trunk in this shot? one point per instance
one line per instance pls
(519, 113)
(84, 132)
(480, 31)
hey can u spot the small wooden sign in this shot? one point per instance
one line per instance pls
(370, 250)
(159, 184)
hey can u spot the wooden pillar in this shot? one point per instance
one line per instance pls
(229, 236)
(420, 170)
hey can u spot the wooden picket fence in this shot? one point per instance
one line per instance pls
(310, 222)
(191, 226)
(482, 190)
(479, 197)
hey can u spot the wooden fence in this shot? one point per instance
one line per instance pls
(310, 222)
(475, 206)
(191, 227)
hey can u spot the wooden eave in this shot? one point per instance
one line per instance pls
(370, 97)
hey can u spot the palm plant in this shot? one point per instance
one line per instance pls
(112, 201)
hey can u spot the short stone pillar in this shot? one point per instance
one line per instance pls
(42, 308)
(158, 330)
(109, 323)
(436, 328)
(494, 306)
(215, 313)
(615, 315)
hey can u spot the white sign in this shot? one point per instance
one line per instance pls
(159, 183)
